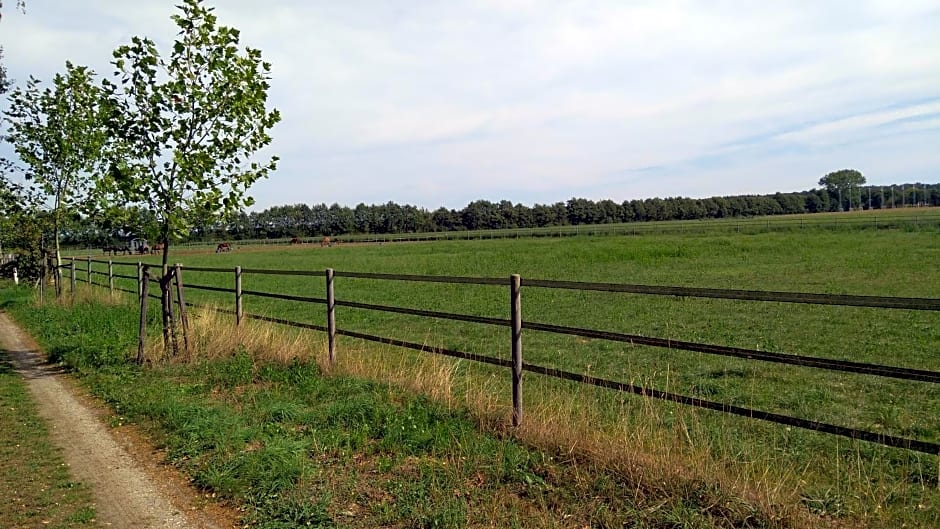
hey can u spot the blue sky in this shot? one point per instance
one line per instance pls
(438, 103)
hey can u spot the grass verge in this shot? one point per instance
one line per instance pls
(294, 444)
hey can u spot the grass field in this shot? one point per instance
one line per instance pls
(841, 477)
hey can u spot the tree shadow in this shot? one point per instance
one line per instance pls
(6, 368)
(29, 364)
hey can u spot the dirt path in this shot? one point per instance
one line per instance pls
(129, 492)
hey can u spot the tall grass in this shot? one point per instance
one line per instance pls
(662, 465)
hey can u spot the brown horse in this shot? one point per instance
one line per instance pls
(295, 240)
(223, 247)
(156, 248)
(325, 242)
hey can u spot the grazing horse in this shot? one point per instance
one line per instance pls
(325, 242)
(295, 240)
(157, 248)
(223, 247)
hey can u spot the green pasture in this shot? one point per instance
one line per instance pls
(863, 262)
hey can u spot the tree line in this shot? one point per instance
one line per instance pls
(316, 220)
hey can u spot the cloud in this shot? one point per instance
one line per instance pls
(440, 103)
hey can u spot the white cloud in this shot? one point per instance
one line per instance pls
(440, 102)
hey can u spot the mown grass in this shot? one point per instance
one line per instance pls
(842, 478)
(37, 488)
(294, 447)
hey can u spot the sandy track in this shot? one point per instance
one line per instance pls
(126, 495)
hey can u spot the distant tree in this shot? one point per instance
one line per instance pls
(639, 210)
(609, 212)
(22, 223)
(842, 184)
(507, 215)
(443, 219)
(480, 215)
(58, 133)
(362, 218)
(543, 215)
(524, 216)
(342, 220)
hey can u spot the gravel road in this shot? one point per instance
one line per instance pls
(126, 494)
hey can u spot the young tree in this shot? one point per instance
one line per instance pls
(186, 126)
(58, 133)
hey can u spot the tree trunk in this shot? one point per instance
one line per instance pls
(170, 339)
(58, 256)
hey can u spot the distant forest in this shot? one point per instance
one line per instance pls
(302, 220)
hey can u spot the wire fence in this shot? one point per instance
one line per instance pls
(515, 284)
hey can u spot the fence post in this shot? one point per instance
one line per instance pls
(88, 270)
(515, 299)
(72, 274)
(140, 279)
(42, 278)
(331, 315)
(238, 295)
(110, 279)
(184, 321)
(142, 330)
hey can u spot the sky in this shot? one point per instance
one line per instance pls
(438, 103)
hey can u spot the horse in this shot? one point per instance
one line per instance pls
(157, 248)
(142, 249)
(223, 247)
(325, 242)
(295, 240)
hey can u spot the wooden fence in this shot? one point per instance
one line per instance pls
(515, 284)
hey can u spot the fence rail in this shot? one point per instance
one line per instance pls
(747, 295)
(516, 364)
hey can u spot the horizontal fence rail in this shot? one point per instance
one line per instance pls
(751, 295)
(424, 313)
(427, 279)
(310, 326)
(206, 269)
(748, 354)
(426, 348)
(518, 324)
(263, 271)
(883, 439)
(285, 297)
(212, 289)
